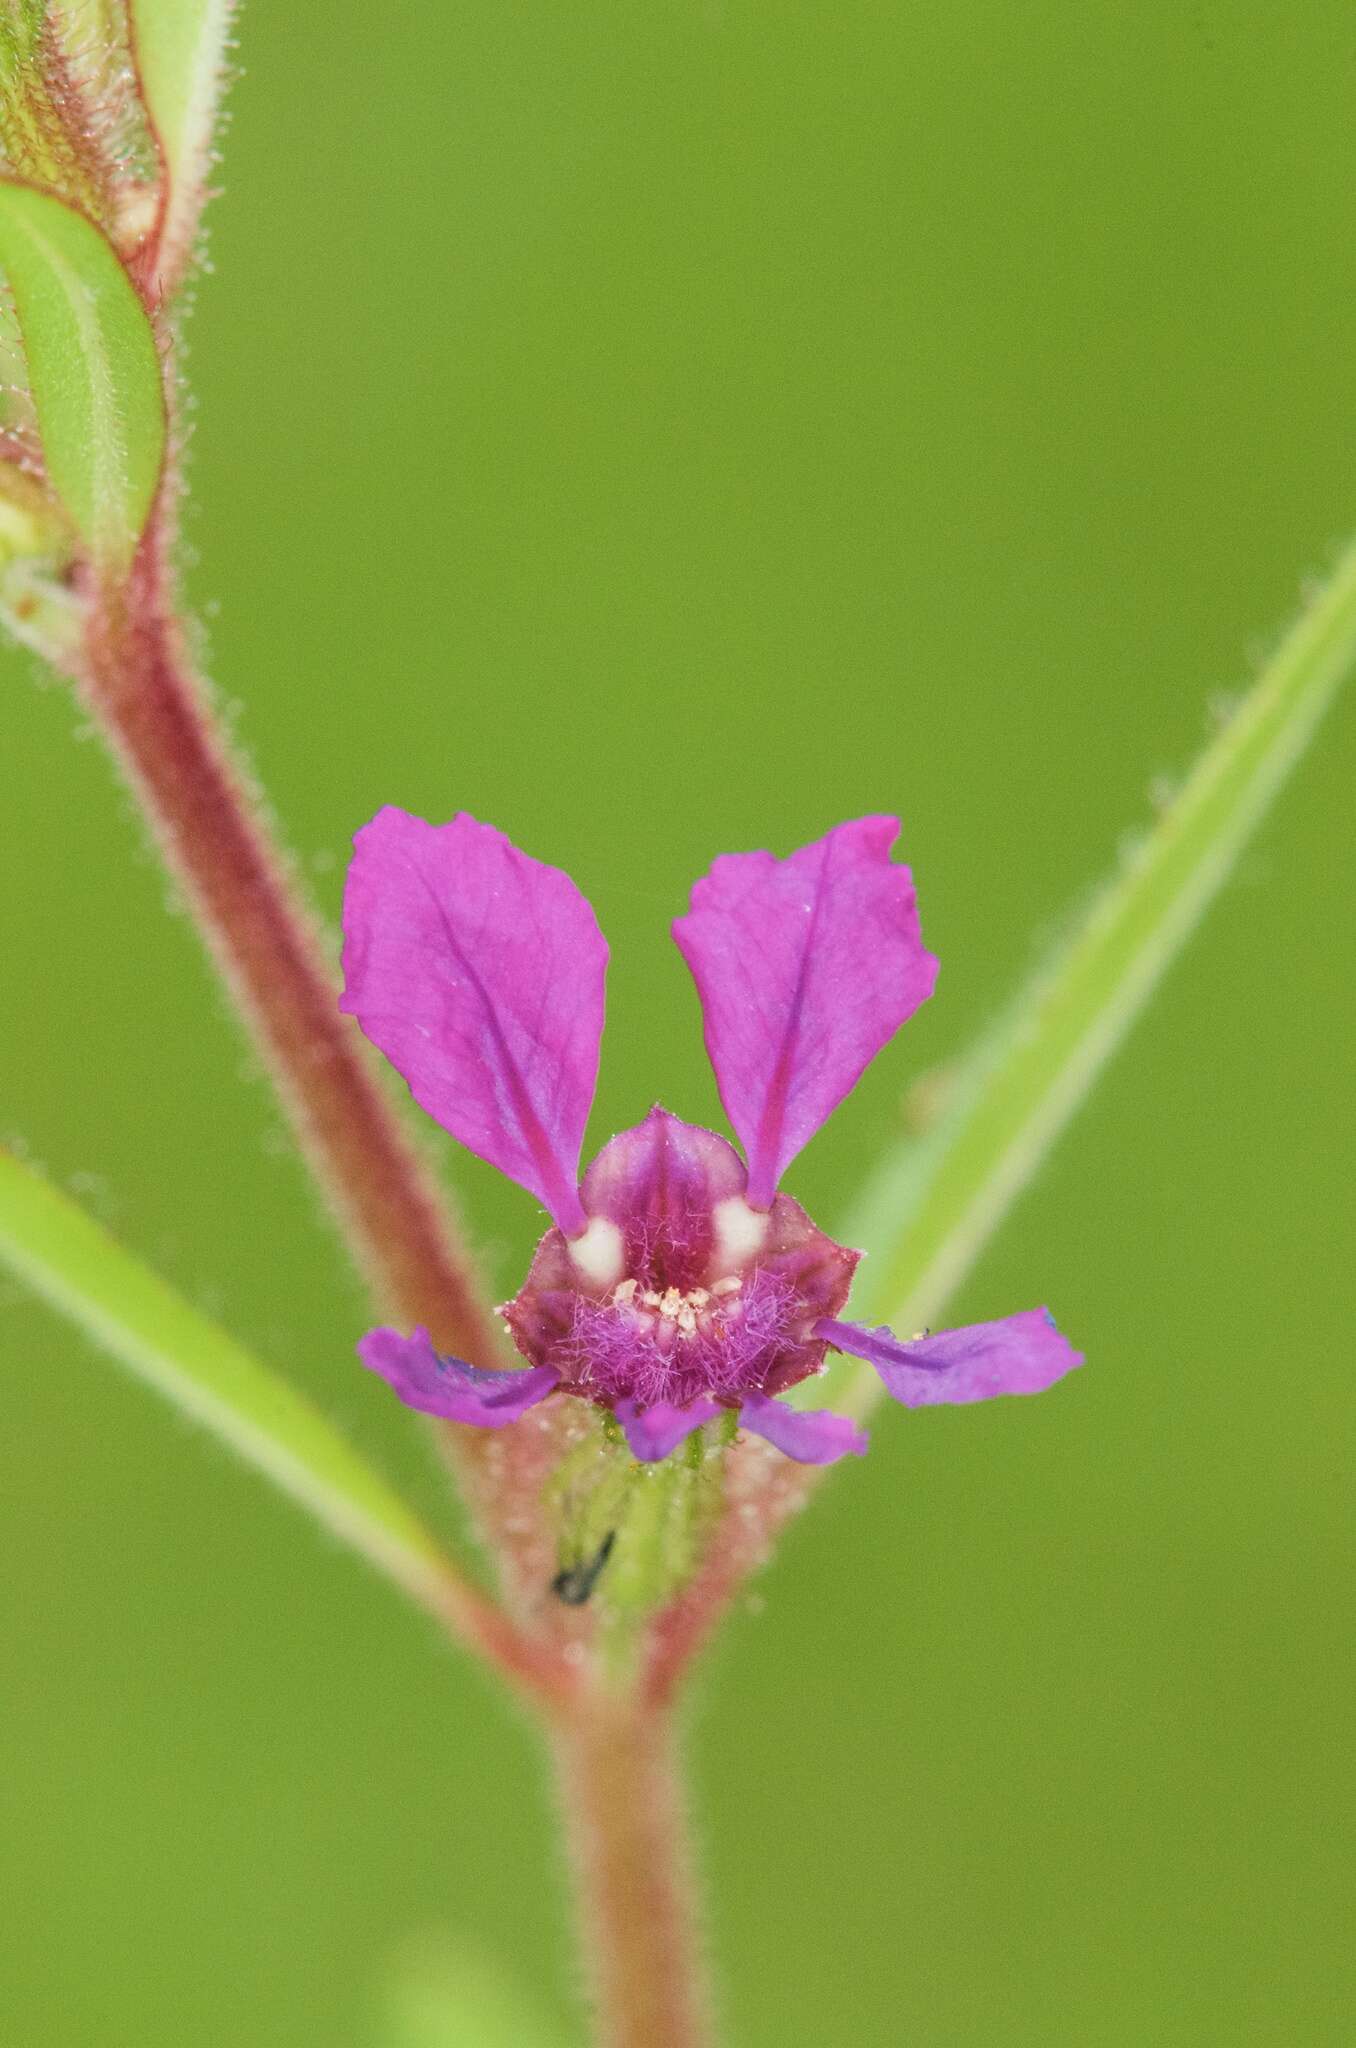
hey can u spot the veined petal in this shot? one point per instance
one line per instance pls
(479, 973)
(655, 1431)
(1019, 1354)
(812, 1436)
(447, 1386)
(805, 968)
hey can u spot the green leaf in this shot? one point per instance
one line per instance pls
(180, 49)
(92, 366)
(130, 1312)
(67, 124)
(934, 1203)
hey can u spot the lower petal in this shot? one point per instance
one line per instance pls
(812, 1436)
(1019, 1354)
(655, 1431)
(448, 1386)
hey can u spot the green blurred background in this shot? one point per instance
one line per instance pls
(664, 429)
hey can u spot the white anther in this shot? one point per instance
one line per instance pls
(740, 1230)
(598, 1252)
(682, 1312)
(731, 1284)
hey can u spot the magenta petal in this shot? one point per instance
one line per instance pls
(655, 1431)
(812, 1436)
(445, 1386)
(661, 1184)
(1020, 1354)
(805, 967)
(479, 971)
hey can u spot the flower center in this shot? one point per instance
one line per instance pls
(674, 1312)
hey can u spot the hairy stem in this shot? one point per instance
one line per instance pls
(139, 686)
(137, 681)
(619, 1785)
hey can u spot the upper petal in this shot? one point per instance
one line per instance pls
(479, 973)
(805, 967)
(447, 1386)
(1019, 1354)
(812, 1436)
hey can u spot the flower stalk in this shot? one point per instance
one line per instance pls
(619, 1786)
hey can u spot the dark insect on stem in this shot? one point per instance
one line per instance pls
(576, 1582)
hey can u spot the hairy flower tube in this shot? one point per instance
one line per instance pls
(676, 1281)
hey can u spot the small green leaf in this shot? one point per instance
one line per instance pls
(92, 366)
(68, 123)
(180, 48)
(130, 1312)
(935, 1202)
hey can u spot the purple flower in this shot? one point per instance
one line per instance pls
(675, 1283)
